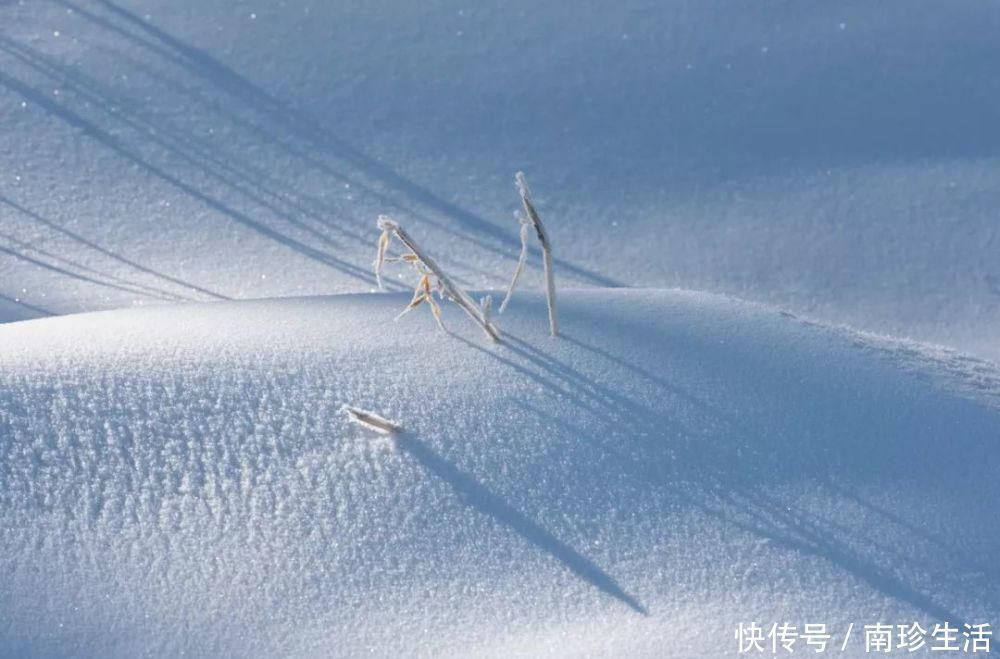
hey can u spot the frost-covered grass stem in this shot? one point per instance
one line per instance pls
(521, 260)
(372, 421)
(478, 313)
(543, 239)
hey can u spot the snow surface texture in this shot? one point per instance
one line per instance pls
(182, 480)
(838, 159)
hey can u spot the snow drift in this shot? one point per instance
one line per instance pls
(181, 480)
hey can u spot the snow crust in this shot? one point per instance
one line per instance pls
(182, 481)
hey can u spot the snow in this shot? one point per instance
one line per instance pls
(188, 197)
(836, 160)
(182, 480)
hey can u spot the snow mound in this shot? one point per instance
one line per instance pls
(182, 480)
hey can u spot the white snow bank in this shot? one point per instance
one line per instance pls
(181, 480)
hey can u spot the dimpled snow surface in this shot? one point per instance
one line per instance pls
(183, 481)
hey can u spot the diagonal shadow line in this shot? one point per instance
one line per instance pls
(113, 143)
(274, 191)
(574, 379)
(137, 288)
(206, 66)
(774, 521)
(164, 135)
(259, 131)
(66, 273)
(277, 189)
(612, 408)
(969, 560)
(568, 393)
(815, 543)
(767, 518)
(30, 307)
(811, 539)
(478, 496)
(103, 250)
(657, 381)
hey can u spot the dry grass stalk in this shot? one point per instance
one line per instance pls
(521, 260)
(372, 421)
(429, 270)
(543, 239)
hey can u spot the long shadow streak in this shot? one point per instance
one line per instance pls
(208, 67)
(30, 307)
(811, 539)
(138, 289)
(160, 134)
(972, 562)
(767, 518)
(115, 145)
(106, 252)
(66, 273)
(478, 496)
